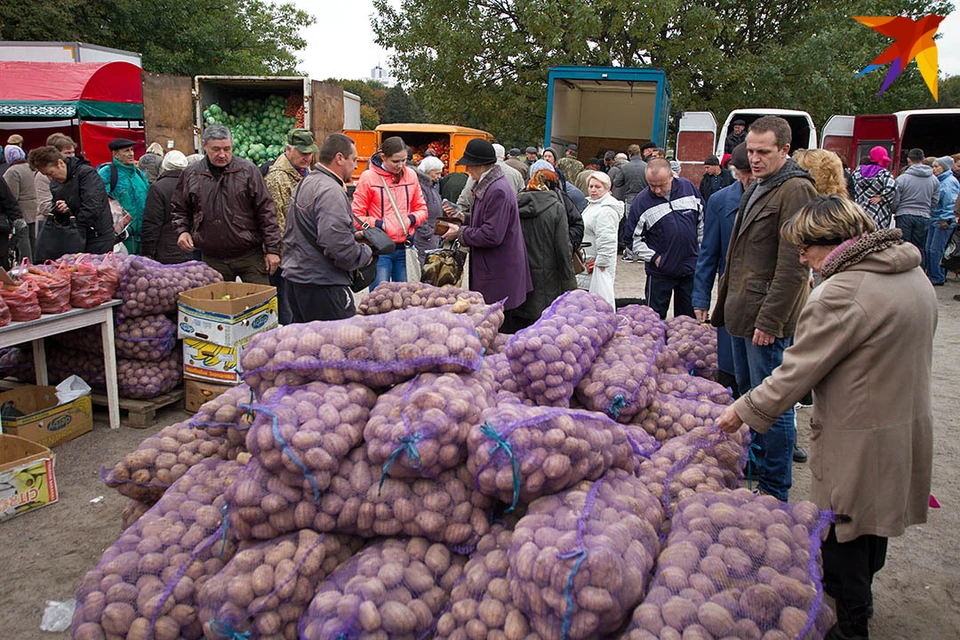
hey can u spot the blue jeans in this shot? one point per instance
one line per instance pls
(914, 230)
(391, 268)
(283, 301)
(774, 467)
(937, 239)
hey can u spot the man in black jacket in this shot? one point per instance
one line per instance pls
(9, 214)
(158, 239)
(735, 137)
(714, 178)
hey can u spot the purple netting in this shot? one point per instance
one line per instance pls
(549, 358)
(519, 453)
(738, 565)
(499, 344)
(362, 501)
(622, 380)
(162, 459)
(504, 384)
(378, 351)
(668, 416)
(418, 429)
(266, 587)
(393, 296)
(683, 385)
(17, 363)
(643, 322)
(135, 379)
(695, 346)
(705, 460)
(148, 338)
(132, 512)
(222, 415)
(302, 434)
(391, 589)
(480, 604)
(580, 560)
(145, 584)
(148, 287)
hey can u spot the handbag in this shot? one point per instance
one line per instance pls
(58, 238)
(444, 266)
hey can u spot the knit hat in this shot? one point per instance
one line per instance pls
(712, 161)
(553, 151)
(880, 157)
(12, 153)
(945, 161)
(173, 161)
(739, 157)
(675, 167)
(726, 157)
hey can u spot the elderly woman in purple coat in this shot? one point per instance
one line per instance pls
(498, 255)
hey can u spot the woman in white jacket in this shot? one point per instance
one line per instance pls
(601, 221)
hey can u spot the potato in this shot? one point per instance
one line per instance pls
(622, 380)
(551, 357)
(682, 385)
(736, 593)
(148, 339)
(600, 560)
(135, 379)
(152, 572)
(353, 598)
(552, 449)
(670, 416)
(282, 573)
(148, 287)
(692, 346)
(641, 321)
(378, 351)
(427, 420)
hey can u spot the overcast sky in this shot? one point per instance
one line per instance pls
(341, 43)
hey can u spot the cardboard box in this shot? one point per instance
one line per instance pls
(199, 392)
(46, 422)
(212, 362)
(27, 480)
(204, 315)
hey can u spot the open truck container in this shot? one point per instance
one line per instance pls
(936, 131)
(447, 140)
(606, 108)
(697, 135)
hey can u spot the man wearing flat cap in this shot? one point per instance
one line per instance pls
(735, 137)
(498, 254)
(714, 178)
(282, 180)
(128, 185)
(531, 153)
(569, 165)
(513, 159)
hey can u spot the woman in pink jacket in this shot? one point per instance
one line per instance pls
(388, 196)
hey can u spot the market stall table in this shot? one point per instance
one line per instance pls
(55, 323)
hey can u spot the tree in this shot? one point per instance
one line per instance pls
(485, 64)
(244, 37)
(371, 92)
(398, 106)
(369, 118)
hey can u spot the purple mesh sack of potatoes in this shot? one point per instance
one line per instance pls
(17, 363)
(262, 592)
(622, 381)
(580, 559)
(394, 588)
(519, 453)
(738, 565)
(361, 501)
(223, 417)
(419, 428)
(683, 385)
(504, 384)
(549, 358)
(641, 321)
(695, 346)
(135, 379)
(148, 287)
(146, 583)
(147, 338)
(669, 416)
(378, 351)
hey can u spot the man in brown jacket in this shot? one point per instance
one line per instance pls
(764, 287)
(222, 207)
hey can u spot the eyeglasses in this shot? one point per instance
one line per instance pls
(802, 248)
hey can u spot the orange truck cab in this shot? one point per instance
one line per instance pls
(447, 141)
(936, 131)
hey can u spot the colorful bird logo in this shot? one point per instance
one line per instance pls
(914, 39)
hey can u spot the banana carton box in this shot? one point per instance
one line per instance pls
(27, 481)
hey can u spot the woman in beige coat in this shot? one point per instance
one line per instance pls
(864, 344)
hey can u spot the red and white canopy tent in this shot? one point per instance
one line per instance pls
(92, 102)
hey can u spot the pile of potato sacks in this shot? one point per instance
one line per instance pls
(410, 473)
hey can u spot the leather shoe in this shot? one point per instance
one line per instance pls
(799, 454)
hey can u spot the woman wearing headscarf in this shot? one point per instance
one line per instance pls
(158, 238)
(150, 162)
(864, 344)
(21, 180)
(424, 239)
(543, 219)
(601, 223)
(874, 188)
(574, 219)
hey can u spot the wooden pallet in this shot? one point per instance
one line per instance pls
(140, 413)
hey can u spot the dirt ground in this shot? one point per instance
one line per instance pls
(46, 552)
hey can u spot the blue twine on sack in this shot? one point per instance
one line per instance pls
(409, 445)
(249, 406)
(223, 512)
(580, 555)
(275, 428)
(487, 429)
(751, 462)
(618, 403)
(223, 630)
